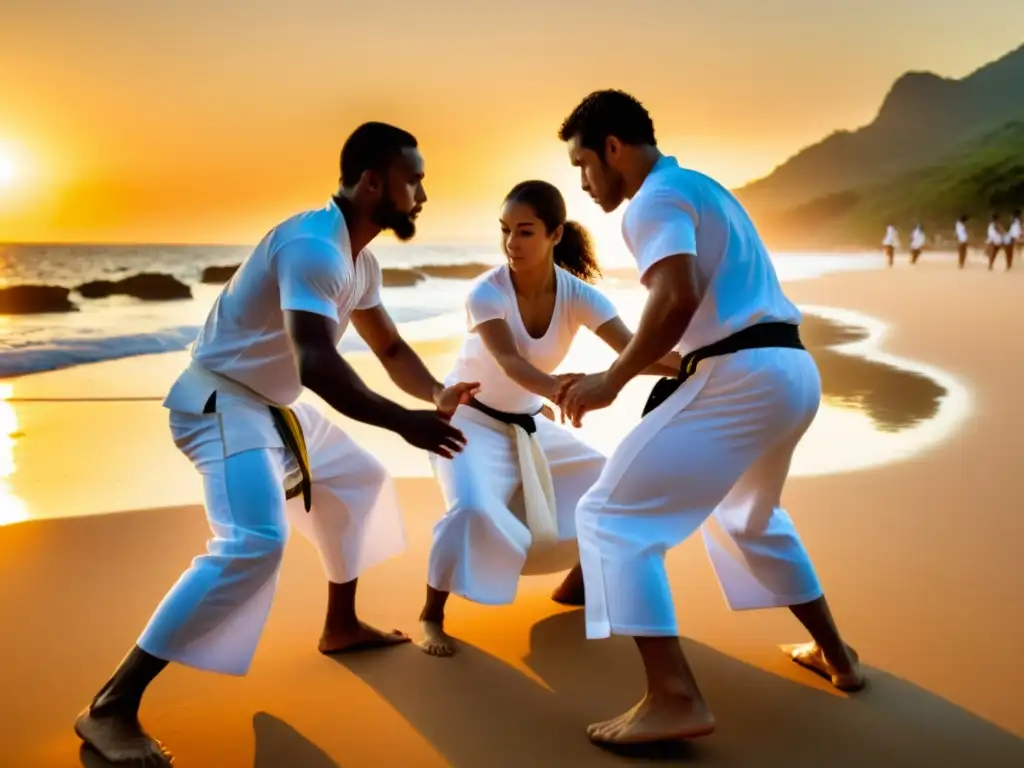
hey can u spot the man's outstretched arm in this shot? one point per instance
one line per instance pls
(403, 365)
(323, 370)
(671, 303)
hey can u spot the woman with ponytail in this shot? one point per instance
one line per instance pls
(511, 494)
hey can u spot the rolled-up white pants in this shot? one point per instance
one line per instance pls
(214, 615)
(719, 447)
(481, 546)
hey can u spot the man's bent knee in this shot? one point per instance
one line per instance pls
(262, 549)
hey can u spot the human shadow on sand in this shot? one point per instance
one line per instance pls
(277, 745)
(477, 710)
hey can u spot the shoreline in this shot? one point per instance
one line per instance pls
(117, 326)
(124, 397)
(112, 328)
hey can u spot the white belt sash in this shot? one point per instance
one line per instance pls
(538, 487)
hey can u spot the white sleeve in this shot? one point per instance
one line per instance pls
(310, 277)
(660, 225)
(485, 302)
(592, 308)
(371, 298)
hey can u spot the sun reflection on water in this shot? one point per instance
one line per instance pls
(12, 509)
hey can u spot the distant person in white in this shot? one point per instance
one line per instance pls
(715, 453)
(1012, 239)
(273, 331)
(890, 243)
(917, 241)
(523, 317)
(993, 240)
(961, 240)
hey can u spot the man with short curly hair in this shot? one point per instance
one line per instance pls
(714, 446)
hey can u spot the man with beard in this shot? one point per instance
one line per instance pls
(273, 331)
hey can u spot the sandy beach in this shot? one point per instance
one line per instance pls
(920, 558)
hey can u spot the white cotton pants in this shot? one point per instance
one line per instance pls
(481, 546)
(715, 455)
(214, 615)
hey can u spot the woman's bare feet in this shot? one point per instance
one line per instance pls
(119, 738)
(570, 591)
(658, 717)
(844, 673)
(359, 638)
(435, 642)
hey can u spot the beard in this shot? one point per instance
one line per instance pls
(614, 189)
(387, 216)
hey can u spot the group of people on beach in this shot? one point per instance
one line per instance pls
(523, 495)
(997, 240)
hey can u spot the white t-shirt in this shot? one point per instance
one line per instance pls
(961, 232)
(680, 211)
(892, 237)
(305, 263)
(1014, 233)
(493, 297)
(917, 239)
(995, 237)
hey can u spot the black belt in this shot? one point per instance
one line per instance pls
(524, 420)
(773, 334)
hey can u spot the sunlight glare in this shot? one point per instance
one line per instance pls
(8, 168)
(12, 509)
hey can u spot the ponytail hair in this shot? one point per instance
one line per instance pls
(574, 252)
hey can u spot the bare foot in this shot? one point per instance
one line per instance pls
(570, 591)
(845, 674)
(436, 642)
(361, 638)
(120, 739)
(656, 718)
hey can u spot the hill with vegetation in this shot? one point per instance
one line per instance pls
(930, 130)
(983, 175)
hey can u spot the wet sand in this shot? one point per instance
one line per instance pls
(920, 559)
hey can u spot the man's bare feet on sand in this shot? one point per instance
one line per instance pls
(360, 638)
(844, 674)
(657, 718)
(570, 591)
(435, 642)
(120, 739)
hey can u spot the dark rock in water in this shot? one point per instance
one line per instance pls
(218, 275)
(34, 299)
(401, 278)
(150, 286)
(455, 271)
(97, 289)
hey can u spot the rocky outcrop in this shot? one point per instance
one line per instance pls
(455, 271)
(219, 275)
(401, 278)
(34, 299)
(148, 286)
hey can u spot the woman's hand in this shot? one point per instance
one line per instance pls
(450, 398)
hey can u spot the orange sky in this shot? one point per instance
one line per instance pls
(201, 122)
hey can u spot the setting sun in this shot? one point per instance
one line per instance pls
(8, 167)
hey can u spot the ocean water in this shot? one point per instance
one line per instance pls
(117, 327)
(877, 408)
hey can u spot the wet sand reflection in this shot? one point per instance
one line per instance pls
(893, 398)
